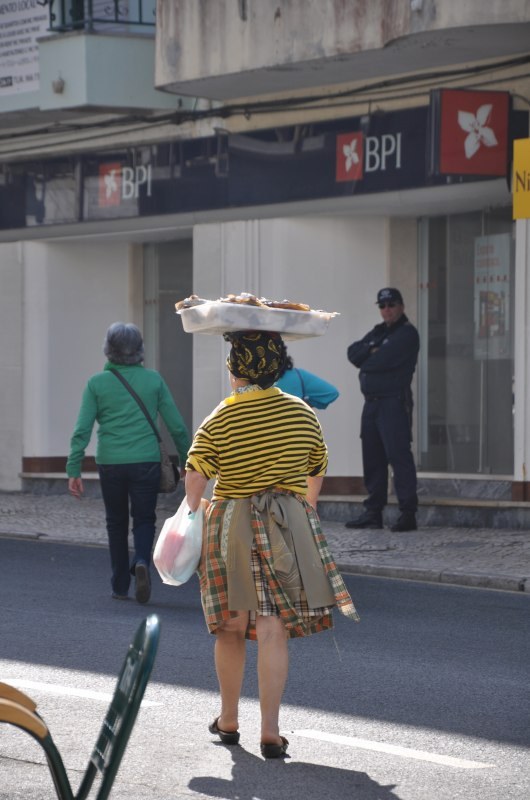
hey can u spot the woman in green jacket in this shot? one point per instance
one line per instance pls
(128, 453)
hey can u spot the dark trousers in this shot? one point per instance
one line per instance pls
(121, 483)
(386, 439)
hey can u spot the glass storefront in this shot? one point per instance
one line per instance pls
(466, 322)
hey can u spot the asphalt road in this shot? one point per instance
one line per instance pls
(425, 699)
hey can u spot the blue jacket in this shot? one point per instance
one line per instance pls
(388, 371)
(317, 392)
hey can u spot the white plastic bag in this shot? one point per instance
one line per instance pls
(178, 548)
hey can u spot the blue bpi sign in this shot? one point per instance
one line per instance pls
(333, 159)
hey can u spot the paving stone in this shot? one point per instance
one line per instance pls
(489, 558)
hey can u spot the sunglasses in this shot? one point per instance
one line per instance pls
(386, 305)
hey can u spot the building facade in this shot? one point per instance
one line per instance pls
(300, 149)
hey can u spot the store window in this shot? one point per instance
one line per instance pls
(466, 318)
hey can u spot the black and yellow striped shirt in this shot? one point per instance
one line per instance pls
(259, 439)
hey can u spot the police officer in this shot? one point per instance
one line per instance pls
(386, 358)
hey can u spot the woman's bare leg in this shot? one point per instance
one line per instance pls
(230, 654)
(273, 665)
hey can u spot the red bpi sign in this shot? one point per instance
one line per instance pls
(357, 155)
(472, 132)
(117, 183)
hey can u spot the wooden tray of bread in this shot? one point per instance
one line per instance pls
(247, 312)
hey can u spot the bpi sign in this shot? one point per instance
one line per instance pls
(358, 154)
(471, 132)
(118, 183)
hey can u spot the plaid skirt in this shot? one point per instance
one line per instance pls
(298, 618)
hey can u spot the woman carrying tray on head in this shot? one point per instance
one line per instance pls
(267, 573)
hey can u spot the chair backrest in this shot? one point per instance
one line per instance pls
(123, 710)
(19, 710)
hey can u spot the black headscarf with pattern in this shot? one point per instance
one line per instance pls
(256, 356)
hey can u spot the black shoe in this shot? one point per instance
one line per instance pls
(227, 737)
(143, 582)
(368, 519)
(275, 750)
(405, 522)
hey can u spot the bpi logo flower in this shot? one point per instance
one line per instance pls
(118, 183)
(110, 184)
(473, 132)
(350, 157)
(477, 129)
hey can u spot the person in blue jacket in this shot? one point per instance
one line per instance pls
(386, 358)
(316, 392)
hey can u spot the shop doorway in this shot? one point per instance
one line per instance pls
(168, 277)
(466, 317)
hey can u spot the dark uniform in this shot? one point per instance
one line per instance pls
(386, 358)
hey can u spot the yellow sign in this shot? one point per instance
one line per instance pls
(521, 179)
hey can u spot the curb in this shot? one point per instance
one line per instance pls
(21, 534)
(49, 538)
(478, 580)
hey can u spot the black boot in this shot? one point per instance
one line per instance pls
(405, 522)
(368, 519)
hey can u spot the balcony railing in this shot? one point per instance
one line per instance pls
(127, 16)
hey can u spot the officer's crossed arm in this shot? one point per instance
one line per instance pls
(396, 351)
(359, 351)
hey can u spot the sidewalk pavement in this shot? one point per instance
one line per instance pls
(487, 558)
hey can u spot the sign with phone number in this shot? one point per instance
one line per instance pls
(22, 22)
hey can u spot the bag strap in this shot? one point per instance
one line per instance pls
(301, 382)
(138, 400)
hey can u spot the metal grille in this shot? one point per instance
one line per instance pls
(102, 15)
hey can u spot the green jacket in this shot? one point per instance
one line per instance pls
(124, 434)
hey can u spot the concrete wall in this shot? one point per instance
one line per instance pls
(11, 391)
(522, 355)
(237, 49)
(200, 39)
(102, 71)
(73, 292)
(335, 264)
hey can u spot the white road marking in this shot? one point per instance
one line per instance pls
(393, 749)
(67, 691)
